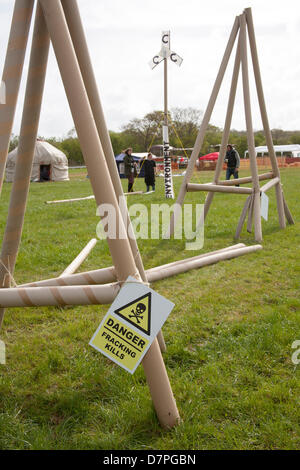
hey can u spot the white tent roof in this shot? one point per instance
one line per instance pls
(279, 148)
(45, 154)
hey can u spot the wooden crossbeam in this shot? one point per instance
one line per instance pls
(192, 187)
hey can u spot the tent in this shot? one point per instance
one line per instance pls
(210, 156)
(49, 164)
(137, 159)
(293, 150)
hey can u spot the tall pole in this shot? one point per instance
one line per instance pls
(264, 116)
(165, 92)
(92, 150)
(250, 134)
(227, 126)
(77, 33)
(26, 148)
(164, 55)
(12, 73)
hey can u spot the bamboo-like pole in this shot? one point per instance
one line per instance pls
(77, 34)
(246, 179)
(26, 148)
(204, 124)
(216, 188)
(287, 212)
(59, 295)
(79, 258)
(76, 30)
(108, 275)
(264, 116)
(243, 217)
(199, 263)
(12, 73)
(203, 255)
(250, 216)
(226, 131)
(61, 201)
(96, 276)
(120, 248)
(270, 184)
(250, 135)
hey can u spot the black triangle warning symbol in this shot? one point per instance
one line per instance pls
(138, 313)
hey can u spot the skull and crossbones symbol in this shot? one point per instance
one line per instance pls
(137, 313)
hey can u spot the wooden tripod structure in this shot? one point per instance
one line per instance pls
(242, 24)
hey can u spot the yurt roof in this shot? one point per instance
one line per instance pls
(45, 154)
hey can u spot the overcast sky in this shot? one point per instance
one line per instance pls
(124, 35)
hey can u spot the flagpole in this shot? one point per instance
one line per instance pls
(165, 91)
(164, 55)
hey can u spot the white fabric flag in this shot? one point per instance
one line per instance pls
(155, 61)
(176, 58)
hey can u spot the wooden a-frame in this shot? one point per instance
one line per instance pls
(242, 24)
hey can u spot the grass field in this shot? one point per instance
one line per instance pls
(229, 337)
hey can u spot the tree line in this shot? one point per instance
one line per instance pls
(143, 133)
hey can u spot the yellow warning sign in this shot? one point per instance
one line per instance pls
(120, 343)
(138, 313)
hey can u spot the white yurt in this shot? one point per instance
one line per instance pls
(49, 164)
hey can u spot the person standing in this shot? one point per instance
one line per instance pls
(232, 159)
(129, 168)
(150, 170)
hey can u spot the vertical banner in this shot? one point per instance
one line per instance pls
(264, 206)
(169, 192)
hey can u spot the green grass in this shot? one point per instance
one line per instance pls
(229, 336)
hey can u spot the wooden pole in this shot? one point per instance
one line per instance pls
(120, 248)
(216, 188)
(58, 295)
(270, 184)
(108, 275)
(79, 258)
(88, 278)
(243, 217)
(26, 148)
(187, 265)
(287, 212)
(204, 124)
(61, 201)
(76, 30)
(250, 135)
(226, 131)
(12, 73)
(250, 216)
(246, 179)
(264, 116)
(77, 33)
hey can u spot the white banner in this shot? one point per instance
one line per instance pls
(264, 206)
(165, 39)
(169, 192)
(155, 61)
(176, 58)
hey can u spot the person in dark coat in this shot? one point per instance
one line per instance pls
(129, 168)
(150, 169)
(232, 159)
